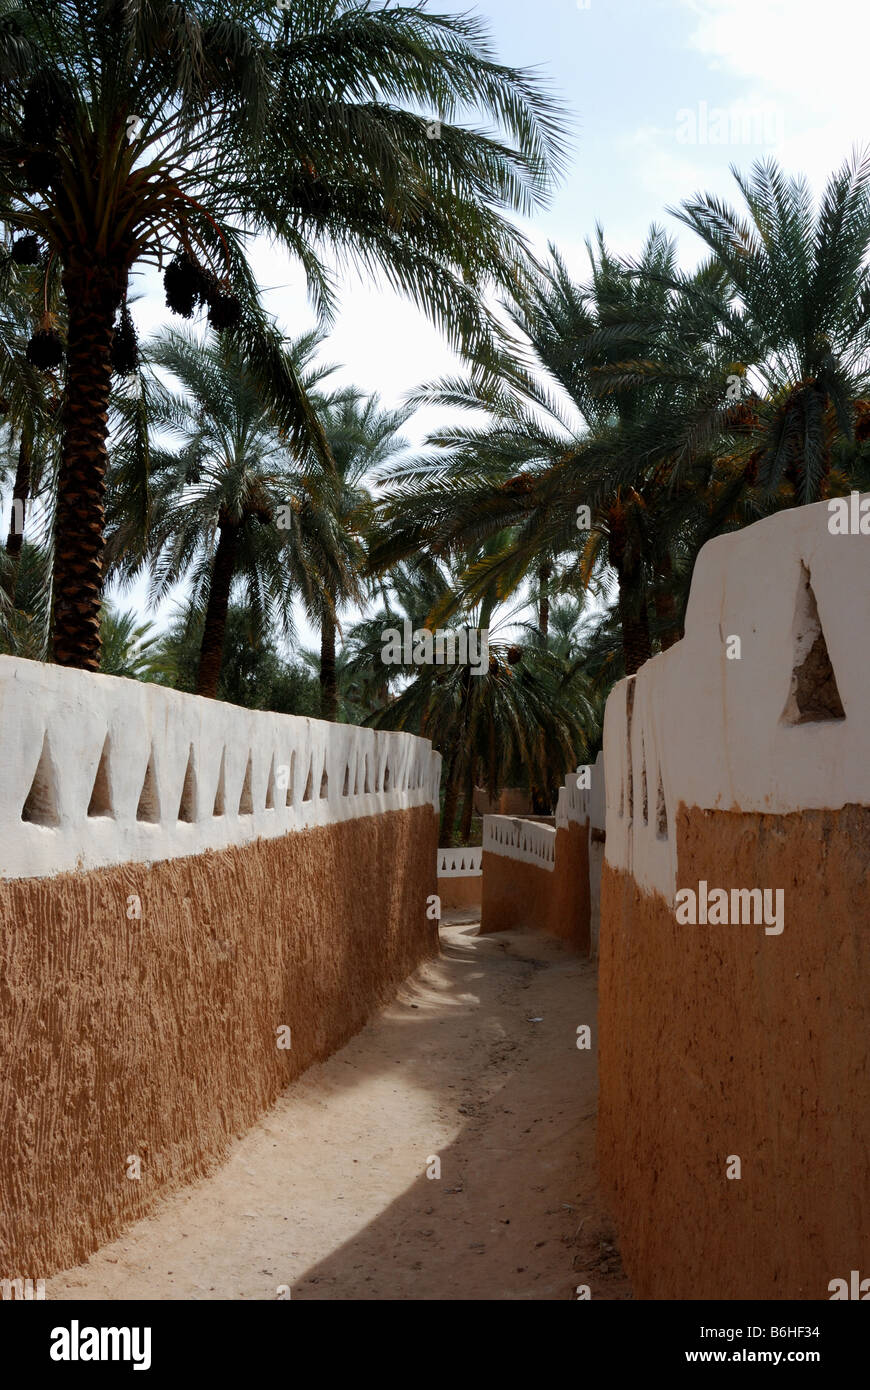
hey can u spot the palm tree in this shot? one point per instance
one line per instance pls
(132, 131)
(233, 507)
(29, 405)
(252, 672)
(25, 625)
(128, 645)
(362, 437)
(588, 433)
(522, 718)
(798, 315)
(411, 591)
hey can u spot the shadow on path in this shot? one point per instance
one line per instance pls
(474, 1064)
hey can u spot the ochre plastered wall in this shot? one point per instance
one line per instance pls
(721, 1040)
(158, 1037)
(459, 893)
(519, 893)
(569, 908)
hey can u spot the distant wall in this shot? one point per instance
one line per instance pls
(460, 878)
(586, 807)
(723, 1041)
(141, 997)
(518, 863)
(538, 875)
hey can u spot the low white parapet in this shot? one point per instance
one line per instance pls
(526, 840)
(98, 770)
(715, 722)
(460, 863)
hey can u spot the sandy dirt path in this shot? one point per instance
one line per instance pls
(475, 1063)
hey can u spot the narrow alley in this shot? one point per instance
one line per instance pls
(475, 1065)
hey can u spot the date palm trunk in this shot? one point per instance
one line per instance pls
(451, 800)
(633, 616)
(636, 644)
(328, 676)
(93, 292)
(666, 612)
(468, 805)
(20, 498)
(666, 607)
(214, 631)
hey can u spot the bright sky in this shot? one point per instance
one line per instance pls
(666, 96)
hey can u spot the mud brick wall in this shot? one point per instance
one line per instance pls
(544, 886)
(158, 1037)
(721, 1041)
(179, 880)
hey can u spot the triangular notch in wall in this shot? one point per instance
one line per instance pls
(220, 796)
(187, 804)
(101, 796)
(149, 799)
(40, 808)
(246, 800)
(813, 696)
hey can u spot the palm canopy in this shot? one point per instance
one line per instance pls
(133, 129)
(364, 439)
(581, 423)
(232, 506)
(129, 646)
(336, 517)
(520, 719)
(29, 405)
(799, 314)
(25, 626)
(28, 396)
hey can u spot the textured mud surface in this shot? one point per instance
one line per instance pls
(460, 894)
(156, 1039)
(720, 1041)
(475, 1063)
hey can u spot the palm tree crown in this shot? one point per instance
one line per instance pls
(132, 130)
